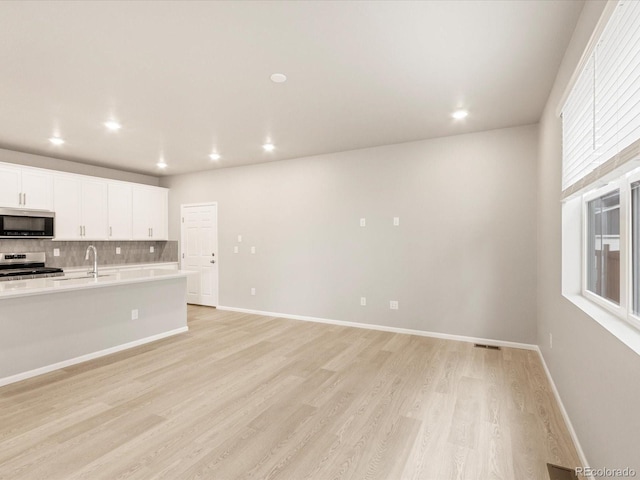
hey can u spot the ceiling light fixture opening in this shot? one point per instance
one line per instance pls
(215, 156)
(56, 140)
(269, 147)
(161, 164)
(113, 125)
(278, 78)
(460, 114)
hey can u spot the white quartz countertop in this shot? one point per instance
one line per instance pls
(80, 281)
(86, 267)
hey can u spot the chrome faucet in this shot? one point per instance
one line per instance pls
(94, 272)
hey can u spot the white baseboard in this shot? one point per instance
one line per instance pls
(384, 328)
(565, 415)
(89, 356)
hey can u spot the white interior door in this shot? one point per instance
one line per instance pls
(200, 252)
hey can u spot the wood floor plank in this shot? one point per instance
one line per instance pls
(245, 396)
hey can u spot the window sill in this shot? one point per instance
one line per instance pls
(623, 331)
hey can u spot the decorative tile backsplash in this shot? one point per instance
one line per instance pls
(72, 253)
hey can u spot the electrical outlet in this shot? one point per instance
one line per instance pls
(550, 340)
(151, 249)
(253, 291)
(363, 301)
(134, 314)
(393, 305)
(239, 238)
(56, 252)
(396, 221)
(253, 250)
(118, 250)
(236, 249)
(363, 222)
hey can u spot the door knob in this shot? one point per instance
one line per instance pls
(212, 261)
(213, 254)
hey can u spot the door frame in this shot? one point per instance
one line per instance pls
(182, 238)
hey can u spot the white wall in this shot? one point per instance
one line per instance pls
(597, 376)
(39, 161)
(461, 262)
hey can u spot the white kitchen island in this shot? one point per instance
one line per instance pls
(51, 323)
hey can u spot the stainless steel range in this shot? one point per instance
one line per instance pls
(21, 266)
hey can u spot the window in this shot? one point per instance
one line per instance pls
(635, 246)
(611, 247)
(603, 246)
(601, 174)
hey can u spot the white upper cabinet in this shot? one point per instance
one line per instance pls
(81, 208)
(66, 199)
(10, 192)
(87, 208)
(120, 211)
(150, 206)
(22, 187)
(93, 209)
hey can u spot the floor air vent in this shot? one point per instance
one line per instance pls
(560, 473)
(488, 347)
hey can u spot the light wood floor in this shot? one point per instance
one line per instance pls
(243, 396)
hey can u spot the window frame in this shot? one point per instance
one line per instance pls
(620, 310)
(630, 178)
(625, 309)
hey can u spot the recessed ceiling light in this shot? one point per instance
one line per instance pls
(214, 156)
(161, 164)
(56, 140)
(269, 147)
(278, 78)
(113, 125)
(460, 114)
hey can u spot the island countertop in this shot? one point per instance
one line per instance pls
(80, 281)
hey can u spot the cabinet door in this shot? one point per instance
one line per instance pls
(142, 210)
(10, 187)
(37, 190)
(93, 208)
(119, 210)
(150, 213)
(159, 214)
(66, 202)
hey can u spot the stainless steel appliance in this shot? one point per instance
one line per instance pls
(20, 223)
(21, 266)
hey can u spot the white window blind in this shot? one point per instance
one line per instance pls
(629, 73)
(577, 128)
(601, 117)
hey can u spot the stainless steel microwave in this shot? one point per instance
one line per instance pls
(19, 223)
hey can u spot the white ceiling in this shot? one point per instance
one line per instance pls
(186, 78)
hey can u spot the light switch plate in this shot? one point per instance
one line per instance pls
(253, 291)
(134, 314)
(363, 222)
(396, 221)
(239, 238)
(151, 249)
(393, 305)
(56, 252)
(236, 249)
(253, 249)
(118, 251)
(363, 301)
